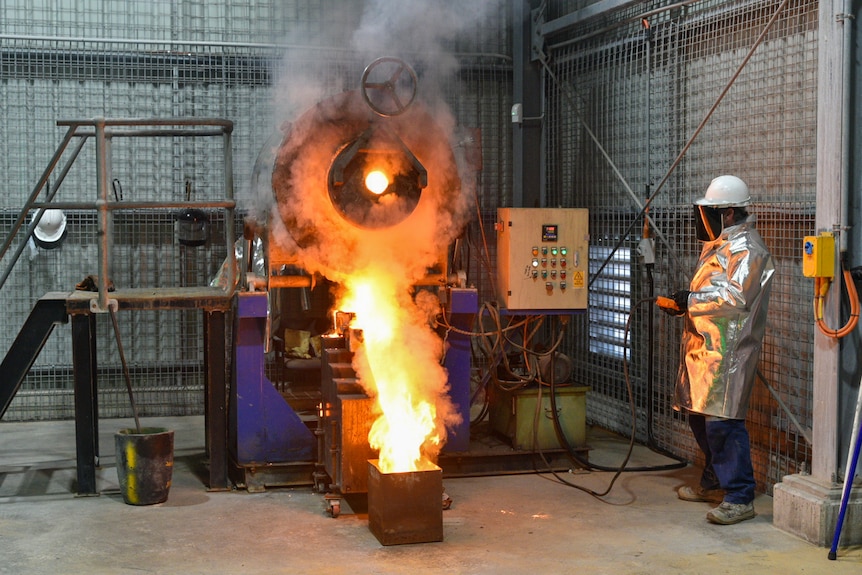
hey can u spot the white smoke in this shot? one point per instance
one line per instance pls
(424, 35)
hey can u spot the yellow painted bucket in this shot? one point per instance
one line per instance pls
(145, 464)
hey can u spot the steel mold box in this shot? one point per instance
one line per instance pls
(405, 507)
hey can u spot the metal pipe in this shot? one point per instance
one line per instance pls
(209, 44)
(135, 205)
(178, 121)
(846, 70)
(844, 216)
(35, 222)
(229, 194)
(102, 207)
(129, 133)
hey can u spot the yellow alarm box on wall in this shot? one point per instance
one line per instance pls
(818, 256)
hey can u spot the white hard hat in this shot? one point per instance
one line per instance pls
(50, 229)
(725, 191)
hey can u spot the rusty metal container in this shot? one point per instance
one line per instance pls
(346, 418)
(405, 507)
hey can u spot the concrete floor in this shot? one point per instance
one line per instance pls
(510, 524)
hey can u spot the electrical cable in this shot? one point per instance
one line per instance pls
(680, 463)
(495, 350)
(651, 442)
(821, 288)
(575, 456)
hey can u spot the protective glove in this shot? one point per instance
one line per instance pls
(668, 305)
(680, 297)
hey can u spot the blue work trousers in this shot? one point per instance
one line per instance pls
(727, 448)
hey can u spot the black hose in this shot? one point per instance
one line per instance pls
(623, 467)
(651, 442)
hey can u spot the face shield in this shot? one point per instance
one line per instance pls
(709, 222)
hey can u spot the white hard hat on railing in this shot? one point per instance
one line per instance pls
(51, 229)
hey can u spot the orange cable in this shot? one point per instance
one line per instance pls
(821, 288)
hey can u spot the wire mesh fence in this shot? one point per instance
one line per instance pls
(257, 64)
(631, 102)
(624, 96)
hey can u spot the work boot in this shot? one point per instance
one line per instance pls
(687, 493)
(730, 513)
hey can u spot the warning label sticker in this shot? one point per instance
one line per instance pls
(578, 279)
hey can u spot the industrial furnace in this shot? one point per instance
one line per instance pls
(353, 335)
(367, 200)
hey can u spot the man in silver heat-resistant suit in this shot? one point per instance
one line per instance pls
(725, 317)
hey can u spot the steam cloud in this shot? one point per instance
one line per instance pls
(303, 219)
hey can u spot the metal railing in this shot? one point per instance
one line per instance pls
(103, 130)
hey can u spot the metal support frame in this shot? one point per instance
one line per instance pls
(86, 408)
(103, 130)
(215, 407)
(48, 312)
(86, 370)
(463, 305)
(267, 429)
(82, 305)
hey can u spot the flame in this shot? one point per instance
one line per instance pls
(376, 182)
(376, 270)
(399, 359)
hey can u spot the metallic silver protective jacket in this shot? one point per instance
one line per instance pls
(725, 323)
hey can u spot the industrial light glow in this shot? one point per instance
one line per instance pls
(376, 182)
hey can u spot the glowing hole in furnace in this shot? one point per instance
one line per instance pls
(376, 182)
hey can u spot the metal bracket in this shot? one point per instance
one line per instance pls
(537, 39)
(646, 250)
(96, 308)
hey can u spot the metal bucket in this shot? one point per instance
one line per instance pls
(192, 227)
(145, 463)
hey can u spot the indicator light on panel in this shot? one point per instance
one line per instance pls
(564, 250)
(535, 250)
(554, 250)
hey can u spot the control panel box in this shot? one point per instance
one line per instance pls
(542, 258)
